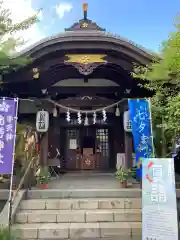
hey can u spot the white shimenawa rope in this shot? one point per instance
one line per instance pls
(77, 110)
(84, 111)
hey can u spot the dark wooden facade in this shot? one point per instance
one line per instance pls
(53, 73)
(108, 136)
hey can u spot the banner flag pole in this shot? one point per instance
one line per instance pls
(152, 138)
(12, 169)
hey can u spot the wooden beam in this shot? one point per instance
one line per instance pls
(84, 90)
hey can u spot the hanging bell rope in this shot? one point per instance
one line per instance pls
(85, 111)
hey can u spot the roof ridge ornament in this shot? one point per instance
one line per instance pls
(85, 23)
(85, 9)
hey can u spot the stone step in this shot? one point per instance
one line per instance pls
(66, 204)
(84, 193)
(111, 238)
(106, 238)
(124, 230)
(66, 216)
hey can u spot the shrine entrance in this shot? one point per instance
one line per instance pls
(87, 148)
(84, 69)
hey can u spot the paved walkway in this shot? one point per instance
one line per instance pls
(85, 180)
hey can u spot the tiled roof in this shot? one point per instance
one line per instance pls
(77, 35)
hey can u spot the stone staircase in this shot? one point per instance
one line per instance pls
(83, 218)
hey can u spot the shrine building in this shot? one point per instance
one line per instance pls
(84, 68)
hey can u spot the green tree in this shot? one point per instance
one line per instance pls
(162, 77)
(8, 44)
(5, 234)
(8, 41)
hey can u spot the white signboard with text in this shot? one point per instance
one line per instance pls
(42, 121)
(127, 122)
(73, 144)
(120, 159)
(159, 209)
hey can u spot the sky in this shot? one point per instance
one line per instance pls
(145, 22)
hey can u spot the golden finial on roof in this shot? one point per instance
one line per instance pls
(85, 9)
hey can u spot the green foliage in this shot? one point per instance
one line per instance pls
(133, 172)
(24, 149)
(123, 174)
(163, 78)
(8, 41)
(5, 234)
(20, 141)
(19, 151)
(44, 176)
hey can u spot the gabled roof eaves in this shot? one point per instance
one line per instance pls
(27, 51)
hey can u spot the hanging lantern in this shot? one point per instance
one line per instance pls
(42, 121)
(104, 115)
(54, 112)
(117, 111)
(94, 118)
(68, 118)
(79, 117)
(86, 122)
(127, 122)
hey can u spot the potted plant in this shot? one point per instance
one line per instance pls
(122, 174)
(43, 177)
(5, 234)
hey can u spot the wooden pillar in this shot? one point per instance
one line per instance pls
(54, 153)
(44, 150)
(128, 143)
(53, 140)
(117, 137)
(128, 149)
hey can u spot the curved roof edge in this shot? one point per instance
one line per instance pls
(52, 40)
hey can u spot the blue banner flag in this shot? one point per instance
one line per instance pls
(141, 130)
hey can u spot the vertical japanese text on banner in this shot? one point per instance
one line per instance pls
(7, 133)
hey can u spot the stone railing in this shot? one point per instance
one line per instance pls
(17, 196)
(4, 194)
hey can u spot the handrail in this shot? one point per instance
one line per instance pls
(23, 178)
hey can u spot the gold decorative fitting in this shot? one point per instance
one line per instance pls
(85, 6)
(84, 25)
(85, 64)
(88, 162)
(35, 73)
(35, 70)
(36, 76)
(85, 59)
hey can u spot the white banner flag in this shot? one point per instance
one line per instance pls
(159, 208)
